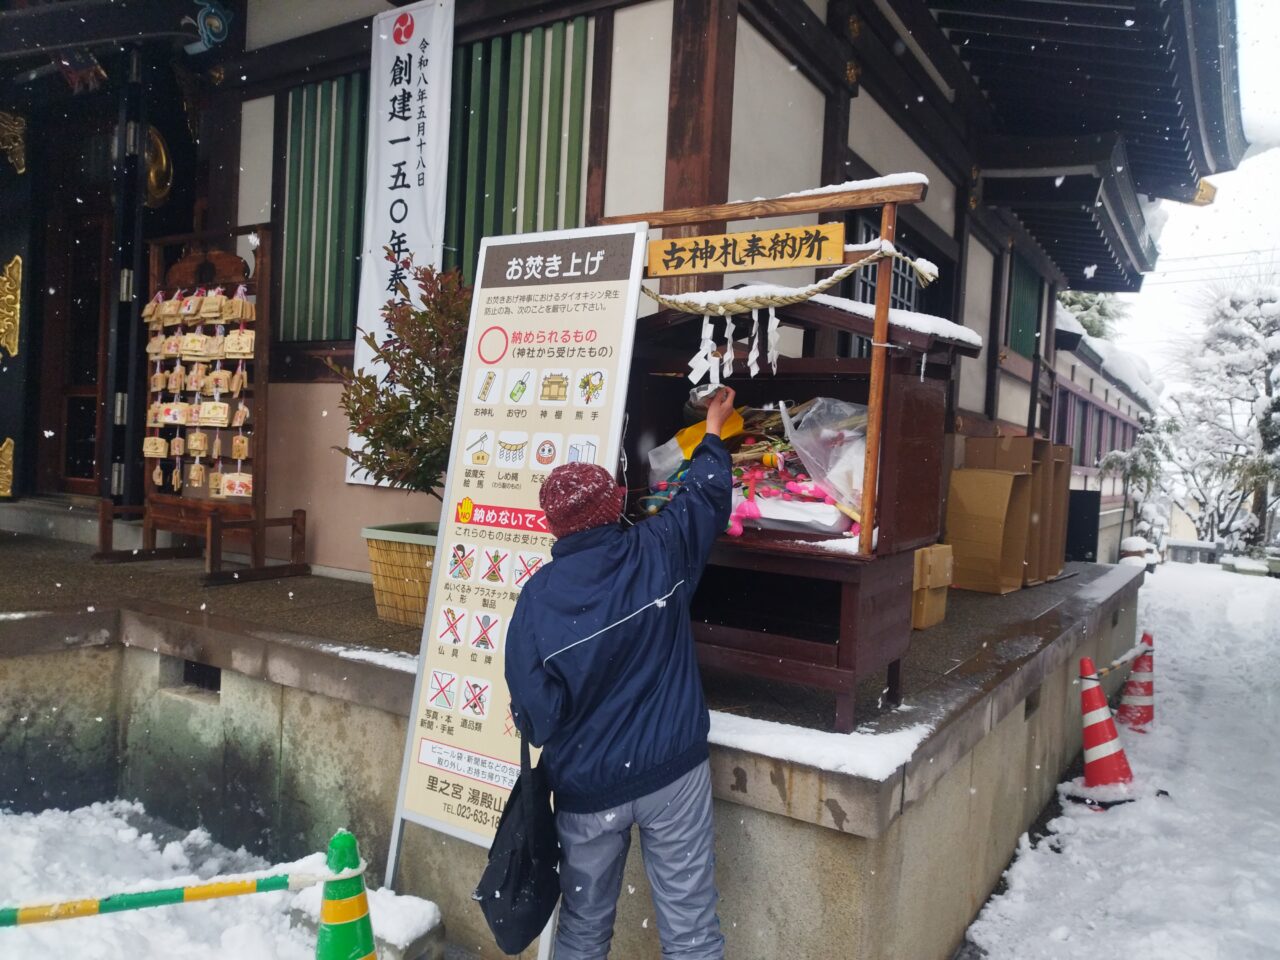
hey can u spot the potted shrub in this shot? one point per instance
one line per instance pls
(403, 411)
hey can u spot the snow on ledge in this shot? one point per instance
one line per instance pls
(874, 183)
(391, 659)
(874, 756)
(906, 319)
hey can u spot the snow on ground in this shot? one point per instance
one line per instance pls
(1191, 876)
(111, 848)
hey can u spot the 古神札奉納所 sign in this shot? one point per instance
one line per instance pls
(810, 246)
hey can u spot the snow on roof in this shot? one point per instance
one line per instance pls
(1129, 370)
(874, 183)
(906, 319)
(872, 755)
(1066, 321)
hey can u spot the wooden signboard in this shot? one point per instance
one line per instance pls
(773, 249)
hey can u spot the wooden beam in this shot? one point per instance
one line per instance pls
(700, 121)
(46, 28)
(778, 207)
(875, 392)
(598, 134)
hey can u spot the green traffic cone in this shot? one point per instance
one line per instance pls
(346, 932)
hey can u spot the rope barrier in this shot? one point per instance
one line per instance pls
(690, 303)
(210, 890)
(1116, 664)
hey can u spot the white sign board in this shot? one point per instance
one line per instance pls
(407, 168)
(544, 383)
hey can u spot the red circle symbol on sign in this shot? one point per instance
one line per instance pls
(403, 29)
(492, 345)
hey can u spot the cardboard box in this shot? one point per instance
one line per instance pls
(932, 579)
(988, 513)
(1060, 496)
(1030, 455)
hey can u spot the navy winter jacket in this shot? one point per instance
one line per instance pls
(600, 658)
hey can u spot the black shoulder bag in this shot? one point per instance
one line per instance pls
(521, 884)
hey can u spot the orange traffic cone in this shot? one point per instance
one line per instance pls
(1137, 699)
(1104, 760)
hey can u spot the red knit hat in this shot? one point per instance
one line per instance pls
(579, 496)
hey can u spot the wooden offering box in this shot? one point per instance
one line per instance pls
(780, 605)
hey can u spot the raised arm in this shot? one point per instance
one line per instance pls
(699, 511)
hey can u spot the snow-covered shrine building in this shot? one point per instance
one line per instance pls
(1048, 131)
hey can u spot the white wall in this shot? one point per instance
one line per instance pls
(271, 21)
(979, 270)
(636, 167)
(1013, 400)
(257, 119)
(776, 143)
(882, 143)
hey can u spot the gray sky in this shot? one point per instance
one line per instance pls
(1203, 248)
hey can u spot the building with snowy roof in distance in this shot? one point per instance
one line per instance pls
(1101, 394)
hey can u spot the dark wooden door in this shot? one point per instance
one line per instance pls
(77, 312)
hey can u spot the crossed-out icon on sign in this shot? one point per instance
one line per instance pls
(475, 697)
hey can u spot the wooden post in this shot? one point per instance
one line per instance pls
(875, 397)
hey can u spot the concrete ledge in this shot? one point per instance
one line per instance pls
(964, 705)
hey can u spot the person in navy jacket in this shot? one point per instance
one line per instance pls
(604, 678)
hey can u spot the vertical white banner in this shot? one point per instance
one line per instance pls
(407, 169)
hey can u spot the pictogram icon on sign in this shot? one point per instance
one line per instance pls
(527, 564)
(461, 561)
(491, 346)
(475, 697)
(442, 691)
(453, 625)
(496, 566)
(509, 724)
(486, 631)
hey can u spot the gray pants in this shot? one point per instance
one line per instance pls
(677, 840)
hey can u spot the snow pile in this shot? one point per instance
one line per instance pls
(110, 848)
(860, 754)
(1195, 874)
(397, 920)
(391, 659)
(1134, 545)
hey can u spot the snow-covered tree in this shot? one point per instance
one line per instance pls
(1143, 469)
(1098, 313)
(1227, 450)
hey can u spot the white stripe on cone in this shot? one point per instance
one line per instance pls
(1102, 750)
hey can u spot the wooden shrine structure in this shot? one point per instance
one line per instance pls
(208, 260)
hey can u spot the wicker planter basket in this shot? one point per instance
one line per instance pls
(401, 555)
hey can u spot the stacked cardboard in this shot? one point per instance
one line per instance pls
(929, 585)
(1007, 513)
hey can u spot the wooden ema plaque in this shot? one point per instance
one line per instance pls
(207, 423)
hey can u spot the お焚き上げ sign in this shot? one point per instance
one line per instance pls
(410, 71)
(544, 383)
(814, 246)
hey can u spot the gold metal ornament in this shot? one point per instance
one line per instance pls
(159, 169)
(13, 139)
(10, 305)
(6, 468)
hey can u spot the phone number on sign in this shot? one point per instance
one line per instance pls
(484, 818)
